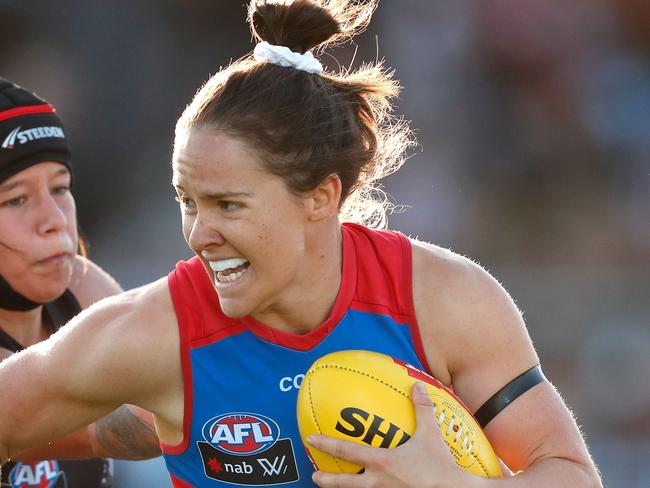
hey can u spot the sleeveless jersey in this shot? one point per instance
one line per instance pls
(241, 377)
(91, 473)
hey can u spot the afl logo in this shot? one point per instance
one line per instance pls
(36, 474)
(241, 433)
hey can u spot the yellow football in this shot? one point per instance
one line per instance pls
(364, 397)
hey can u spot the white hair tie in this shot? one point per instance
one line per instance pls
(283, 56)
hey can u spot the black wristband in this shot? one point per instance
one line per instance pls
(509, 393)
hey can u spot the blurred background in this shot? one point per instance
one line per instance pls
(533, 118)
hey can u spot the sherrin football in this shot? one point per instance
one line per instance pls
(364, 397)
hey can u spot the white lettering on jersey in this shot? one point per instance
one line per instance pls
(288, 383)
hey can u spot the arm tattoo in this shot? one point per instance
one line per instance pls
(124, 435)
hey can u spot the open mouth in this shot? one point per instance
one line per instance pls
(229, 270)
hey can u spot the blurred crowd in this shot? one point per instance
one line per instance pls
(533, 123)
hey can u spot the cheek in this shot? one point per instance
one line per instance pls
(70, 210)
(186, 223)
(15, 236)
(13, 267)
(281, 245)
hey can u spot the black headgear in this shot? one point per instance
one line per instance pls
(30, 133)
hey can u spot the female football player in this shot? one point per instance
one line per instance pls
(275, 166)
(44, 282)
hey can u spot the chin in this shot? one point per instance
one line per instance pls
(49, 296)
(234, 313)
(48, 292)
(233, 310)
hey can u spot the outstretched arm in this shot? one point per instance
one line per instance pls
(126, 433)
(53, 388)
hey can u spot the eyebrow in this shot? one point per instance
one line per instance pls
(220, 195)
(225, 195)
(10, 186)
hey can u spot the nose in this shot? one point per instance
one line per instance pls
(203, 235)
(52, 215)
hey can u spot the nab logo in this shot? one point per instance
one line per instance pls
(35, 474)
(359, 424)
(241, 433)
(245, 449)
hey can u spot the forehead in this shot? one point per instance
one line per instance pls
(45, 169)
(212, 156)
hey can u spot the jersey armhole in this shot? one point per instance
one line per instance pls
(185, 334)
(407, 270)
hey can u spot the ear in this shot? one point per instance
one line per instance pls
(325, 198)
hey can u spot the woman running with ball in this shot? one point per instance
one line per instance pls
(275, 166)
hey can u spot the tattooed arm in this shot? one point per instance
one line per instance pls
(125, 433)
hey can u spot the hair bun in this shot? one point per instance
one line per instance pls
(302, 25)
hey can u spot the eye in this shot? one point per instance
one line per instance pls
(14, 202)
(229, 205)
(186, 204)
(61, 190)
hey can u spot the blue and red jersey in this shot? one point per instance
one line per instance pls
(242, 377)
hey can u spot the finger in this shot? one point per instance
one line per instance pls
(355, 453)
(424, 410)
(338, 480)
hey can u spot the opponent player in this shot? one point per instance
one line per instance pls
(44, 282)
(272, 154)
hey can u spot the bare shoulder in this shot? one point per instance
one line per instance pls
(473, 332)
(125, 342)
(123, 349)
(475, 338)
(91, 283)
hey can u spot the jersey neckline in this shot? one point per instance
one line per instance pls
(305, 342)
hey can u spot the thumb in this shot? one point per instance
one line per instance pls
(425, 418)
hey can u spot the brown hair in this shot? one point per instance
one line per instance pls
(311, 126)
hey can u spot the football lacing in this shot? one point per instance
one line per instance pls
(450, 427)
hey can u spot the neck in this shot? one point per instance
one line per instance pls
(313, 296)
(25, 327)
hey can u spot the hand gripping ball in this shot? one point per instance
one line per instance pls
(364, 397)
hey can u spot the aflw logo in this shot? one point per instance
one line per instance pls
(245, 449)
(29, 135)
(278, 466)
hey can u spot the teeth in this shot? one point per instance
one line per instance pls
(225, 264)
(231, 277)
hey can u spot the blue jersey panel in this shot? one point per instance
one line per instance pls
(244, 429)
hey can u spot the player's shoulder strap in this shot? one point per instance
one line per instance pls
(62, 309)
(383, 268)
(8, 342)
(196, 303)
(57, 312)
